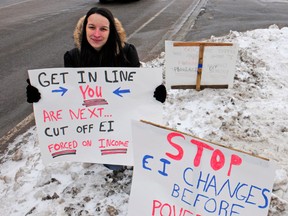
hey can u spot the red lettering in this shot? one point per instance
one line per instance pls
(92, 112)
(106, 143)
(180, 150)
(156, 204)
(90, 92)
(78, 115)
(161, 209)
(235, 160)
(217, 160)
(200, 146)
(51, 115)
(87, 143)
(85, 113)
(62, 146)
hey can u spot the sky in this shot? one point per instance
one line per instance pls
(251, 116)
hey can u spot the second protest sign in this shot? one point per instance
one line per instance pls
(178, 174)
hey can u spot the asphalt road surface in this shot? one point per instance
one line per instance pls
(36, 33)
(220, 16)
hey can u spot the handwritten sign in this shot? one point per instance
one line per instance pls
(177, 174)
(210, 64)
(85, 114)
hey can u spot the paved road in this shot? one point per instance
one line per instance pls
(36, 34)
(221, 16)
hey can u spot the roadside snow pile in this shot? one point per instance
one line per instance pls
(252, 117)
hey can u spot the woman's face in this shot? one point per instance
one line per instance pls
(97, 30)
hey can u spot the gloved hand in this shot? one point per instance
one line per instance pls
(160, 93)
(32, 93)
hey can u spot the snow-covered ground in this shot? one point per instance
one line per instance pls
(252, 116)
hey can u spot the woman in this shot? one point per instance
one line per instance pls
(100, 41)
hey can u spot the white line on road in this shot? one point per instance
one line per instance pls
(13, 4)
(150, 20)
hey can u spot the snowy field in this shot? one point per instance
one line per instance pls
(252, 116)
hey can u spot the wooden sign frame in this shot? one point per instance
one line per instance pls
(202, 46)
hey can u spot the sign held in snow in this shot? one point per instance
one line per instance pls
(84, 114)
(200, 64)
(178, 174)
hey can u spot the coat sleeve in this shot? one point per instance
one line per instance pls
(70, 58)
(132, 55)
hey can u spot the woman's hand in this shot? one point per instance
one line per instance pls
(32, 93)
(160, 93)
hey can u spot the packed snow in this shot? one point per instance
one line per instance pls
(252, 116)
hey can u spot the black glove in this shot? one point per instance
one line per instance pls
(160, 93)
(32, 93)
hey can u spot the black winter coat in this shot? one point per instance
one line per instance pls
(71, 58)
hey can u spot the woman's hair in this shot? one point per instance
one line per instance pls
(111, 54)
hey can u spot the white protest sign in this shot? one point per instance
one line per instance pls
(85, 114)
(177, 174)
(183, 61)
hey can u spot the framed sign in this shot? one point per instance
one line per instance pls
(200, 64)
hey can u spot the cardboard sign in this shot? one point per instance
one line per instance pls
(177, 174)
(85, 114)
(200, 64)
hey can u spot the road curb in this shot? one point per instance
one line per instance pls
(188, 21)
(180, 28)
(14, 132)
